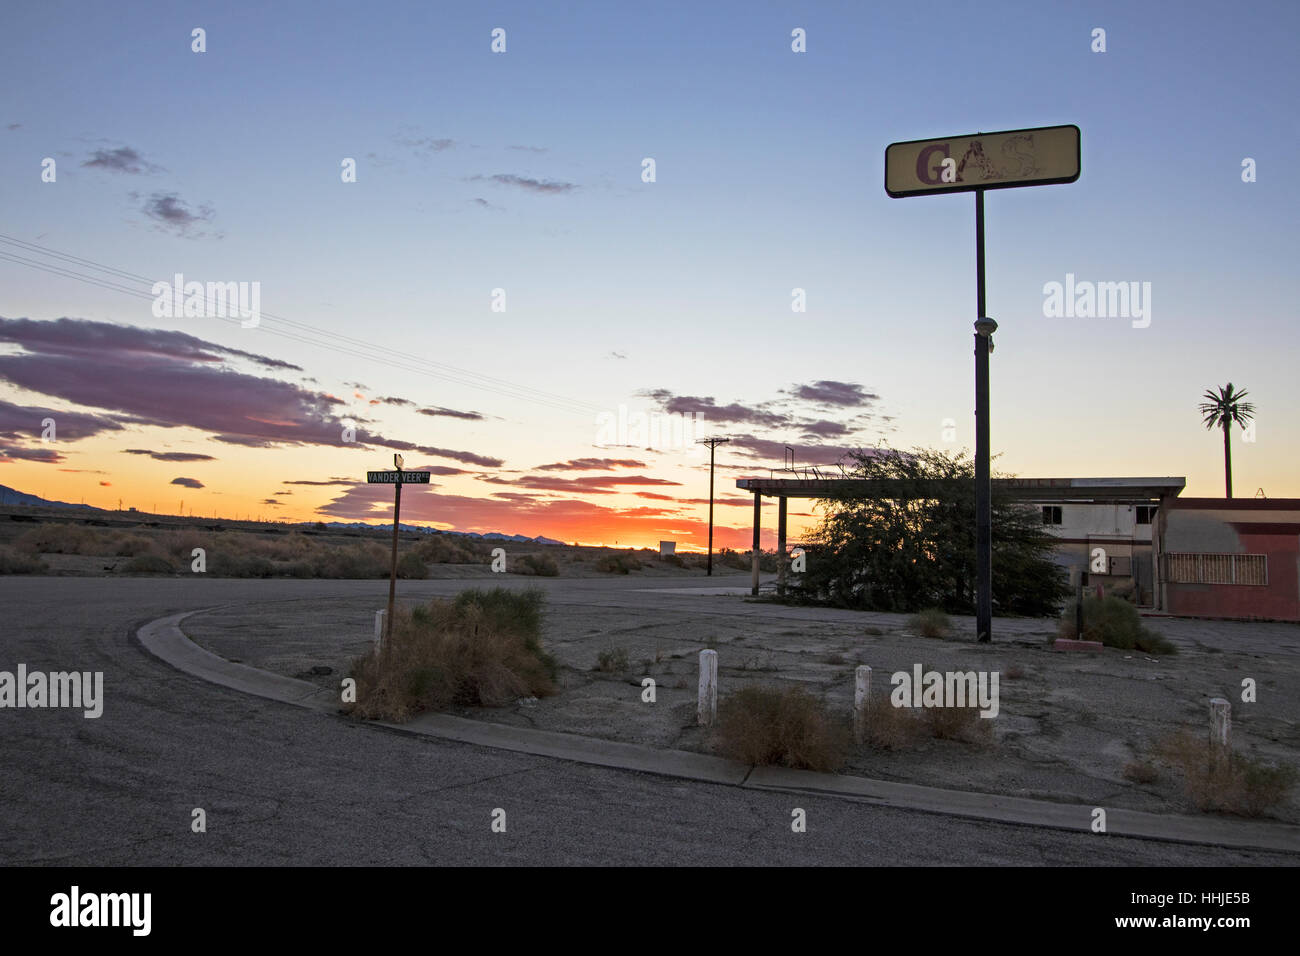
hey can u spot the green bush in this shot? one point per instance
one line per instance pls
(1115, 623)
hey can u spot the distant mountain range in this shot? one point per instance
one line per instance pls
(490, 536)
(12, 496)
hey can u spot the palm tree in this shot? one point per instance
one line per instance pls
(1221, 411)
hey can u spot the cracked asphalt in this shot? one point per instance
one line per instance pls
(283, 786)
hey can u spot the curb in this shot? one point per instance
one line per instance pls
(164, 639)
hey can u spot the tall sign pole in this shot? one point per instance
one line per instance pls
(392, 571)
(396, 479)
(712, 443)
(1019, 157)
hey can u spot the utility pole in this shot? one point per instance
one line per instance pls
(712, 443)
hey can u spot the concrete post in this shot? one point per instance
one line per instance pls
(1220, 721)
(861, 700)
(379, 627)
(707, 709)
(753, 579)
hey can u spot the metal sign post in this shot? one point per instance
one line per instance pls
(975, 163)
(396, 479)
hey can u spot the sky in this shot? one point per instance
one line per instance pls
(500, 285)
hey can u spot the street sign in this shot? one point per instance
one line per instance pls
(397, 477)
(953, 164)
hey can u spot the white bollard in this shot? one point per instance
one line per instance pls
(861, 699)
(1220, 721)
(379, 628)
(707, 709)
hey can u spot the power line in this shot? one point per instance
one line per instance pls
(358, 348)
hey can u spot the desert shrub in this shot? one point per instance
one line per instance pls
(362, 560)
(539, 564)
(223, 564)
(618, 563)
(449, 549)
(148, 564)
(901, 728)
(15, 562)
(1218, 779)
(411, 565)
(58, 539)
(1115, 623)
(129, 545)
(290, 547)
(297, 569)
(612, 660)
(789, 728)
(1140, 771)
(889, 727)
(481, 648)
(180, 545)
(957, 723)
(931, 622)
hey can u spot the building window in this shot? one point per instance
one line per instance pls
(1145, 513)
(1051, 514)
(1218, 569)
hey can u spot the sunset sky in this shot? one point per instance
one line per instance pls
(522, 171)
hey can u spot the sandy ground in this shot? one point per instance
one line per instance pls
(1068, 725)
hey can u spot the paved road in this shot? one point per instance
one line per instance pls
(286, 786)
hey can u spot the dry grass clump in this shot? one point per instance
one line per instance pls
(1218, 779)
(765, 726)
(932, 622)
(482, 648)
(901, 728)
(612, 660)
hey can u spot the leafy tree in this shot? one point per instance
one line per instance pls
(911, 544)
(1222, 409)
